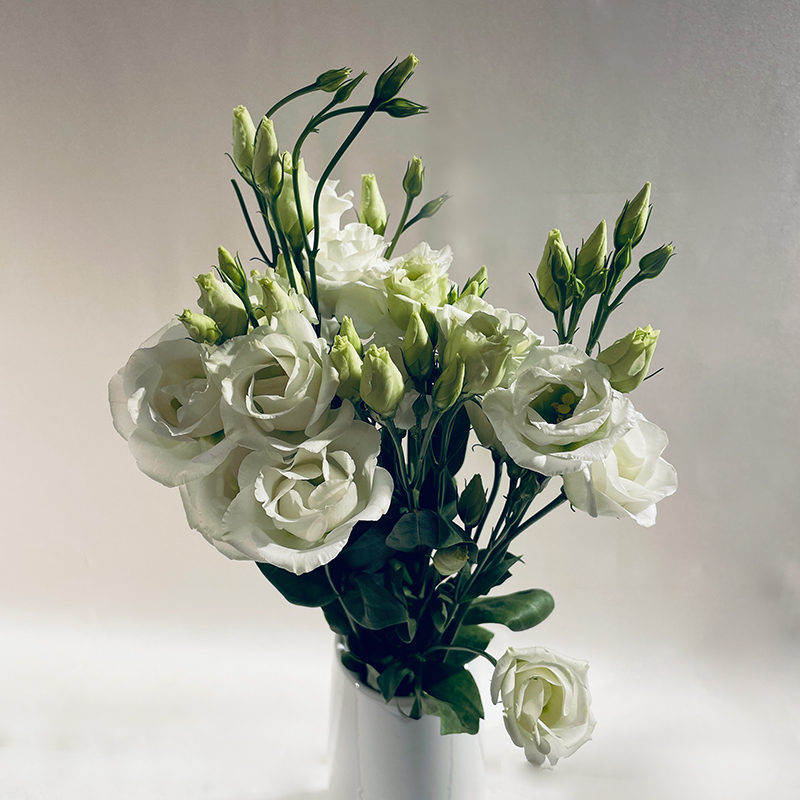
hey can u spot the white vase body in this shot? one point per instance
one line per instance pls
(377, 753)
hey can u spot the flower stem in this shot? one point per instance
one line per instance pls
(400, 227)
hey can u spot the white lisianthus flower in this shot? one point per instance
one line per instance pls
(166, 408)
(277, 379)
(520, 337)
(559, 412)
(299, 515)
(629, 481)
(416, 278)
(331, 207)
(546, 702)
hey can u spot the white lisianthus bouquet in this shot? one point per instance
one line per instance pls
(316, 410)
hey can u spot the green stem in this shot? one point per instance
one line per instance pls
(426, 440)
(400, 227)
(463, 649)
(498, 476)
(312, 87)
(249, 222)
(401, 458)
(350, 620)
(553, 504)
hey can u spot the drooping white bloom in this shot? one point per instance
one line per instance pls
(546, 702)
(277, 379)
(559, 412)
(630, 480)
(166, 408)
(298, 515)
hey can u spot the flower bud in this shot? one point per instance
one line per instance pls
(629, 358)
(483, 346)
(220, 302)
(652, 265)
(417, 348)
(472, 502)
(331, 80)
(346, 89)
(632, 221)
(373, 209)
(483, 428)
(432, 206)
(413, 179)
(276, 298)
(348, 364)
(382, 382)
(554, 274)
(200, 328)
(265, 153)
(399, 107)
(244, 133)
(348, 330)
(447, 388)
(591, 258)
(287, 208)
(392, 78)
(450, 560)
(232, 270)
(478, 283)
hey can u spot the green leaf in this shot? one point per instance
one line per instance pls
(390, 679)
(469, 636)
(311, 590)
(336, 618)
(418, 528)
(371, 606)
(366, 551)
(457, 446)
(456, 687)
(451, 534)
(518, 611)
(448, 719)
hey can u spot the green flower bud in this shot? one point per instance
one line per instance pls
(413, 179)
(447, 388)
(287, 209)
(219, 301)
(432, 206)
(349, 366)
(417, 348)
(265, 153)
(392, 78)
(382, 386)
(482, 344)
(399, 107)
(632, 221)
(652, 265)
(276, 298)
(346, 89)
(555, 272)
(629, 358)
(244, 134)
(478, 283)
(232, 270)
(348, 330)
(331, 80)
(373, 209)
(591, 258)
(472, 502)
(200, 328)
(414, 282)
(450, 560)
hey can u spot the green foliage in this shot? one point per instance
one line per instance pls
(518, 611)
(371, 605)
(459, 704)
(311, 590)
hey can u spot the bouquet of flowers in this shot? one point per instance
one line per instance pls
(316, 415)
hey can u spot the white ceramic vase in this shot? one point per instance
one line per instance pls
(377, 753)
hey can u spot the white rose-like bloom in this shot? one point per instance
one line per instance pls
(559, 412)
(165, 407)
(277, 379)
(546, 702)
(299, 515)
(630, 480)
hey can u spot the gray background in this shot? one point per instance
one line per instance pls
(114, 192)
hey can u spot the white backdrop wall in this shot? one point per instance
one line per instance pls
(114, 192)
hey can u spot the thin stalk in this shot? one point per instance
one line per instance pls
(312, 87)
(498, 476)
(553, 504)
(400, 227)
(249, 222)
(401, 458)
(463, 649)
(351, 621)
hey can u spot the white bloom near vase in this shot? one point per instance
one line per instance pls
(377, 753)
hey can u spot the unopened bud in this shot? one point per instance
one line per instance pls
(632, 221)
(629, 358)
(331, 80)
(554, 274)
(591, 257)
(399, 107)
(432, 206)
(276, 298)
(471, 503)
(417, 348)
(349, 366)
(652, 265)
(392, 78)
(218, 301)
(265, 153)
(448, 386)
(450, 560)
(478, 283)
(382, 386)
(287, 208)
(348, 330)
(373, 209)
(414, 177)
(200, 327)
(346, 89)
(244, 133)
(232, 271)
